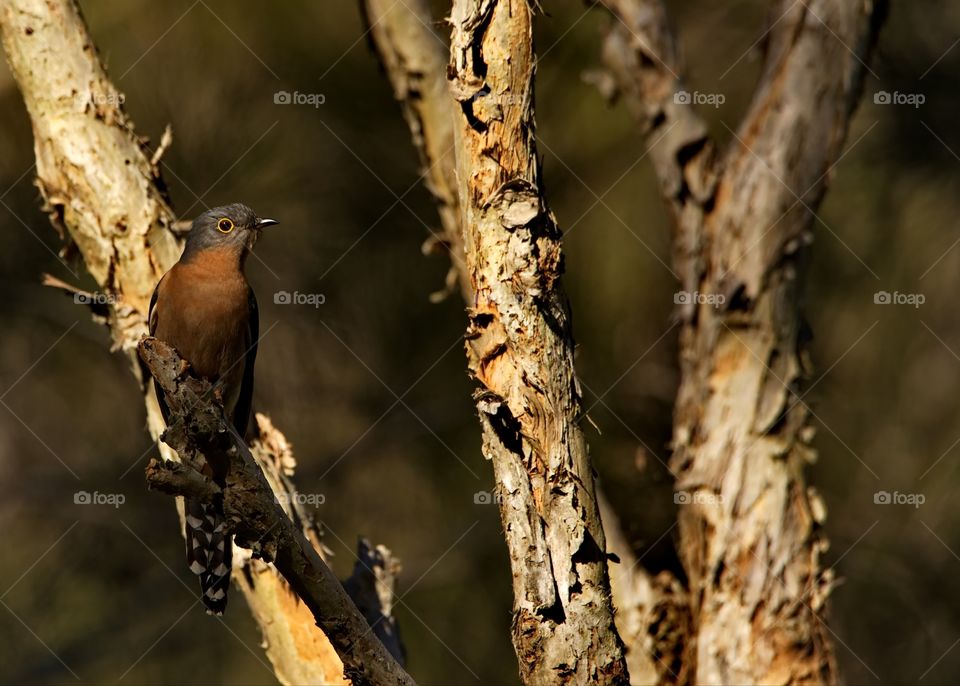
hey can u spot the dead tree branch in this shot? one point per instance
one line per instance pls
(750, 526)
(197, 431)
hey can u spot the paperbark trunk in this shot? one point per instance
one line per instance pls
(750, 525)
(521, 354)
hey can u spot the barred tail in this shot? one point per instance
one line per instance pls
(209, 551)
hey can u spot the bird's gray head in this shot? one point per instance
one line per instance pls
(234, 227)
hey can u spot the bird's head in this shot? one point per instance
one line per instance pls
(235, 228)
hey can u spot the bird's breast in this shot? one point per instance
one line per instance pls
(203, 311)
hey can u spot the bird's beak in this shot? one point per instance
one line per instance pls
(264, 223)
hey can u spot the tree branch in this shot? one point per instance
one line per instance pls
(198, 431)
(750, 527)
(521, 353)
(176, 478)
(415, 62)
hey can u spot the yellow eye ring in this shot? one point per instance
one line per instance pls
(224, 225)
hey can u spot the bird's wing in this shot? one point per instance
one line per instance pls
(151, 313)
(152, 323)
(241, 413)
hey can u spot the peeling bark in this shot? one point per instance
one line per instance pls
(651, 614)
(520, 350)
(199, 431)
(105, 197)
(750, 526)
(117, 217)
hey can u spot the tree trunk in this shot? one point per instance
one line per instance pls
(750, 526)
(651, 613)
(521, 353)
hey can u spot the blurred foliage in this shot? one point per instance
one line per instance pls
(371, 386)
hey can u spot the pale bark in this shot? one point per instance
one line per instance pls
(103, 194)
(521, 353)
(750, 529)
(651, 614)
(199, 431)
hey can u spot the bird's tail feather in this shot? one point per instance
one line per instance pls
(209, 551)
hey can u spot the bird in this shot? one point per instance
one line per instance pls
(205, 309)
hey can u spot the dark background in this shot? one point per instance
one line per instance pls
(97, 593)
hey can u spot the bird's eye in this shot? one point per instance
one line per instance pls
(224, 225)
